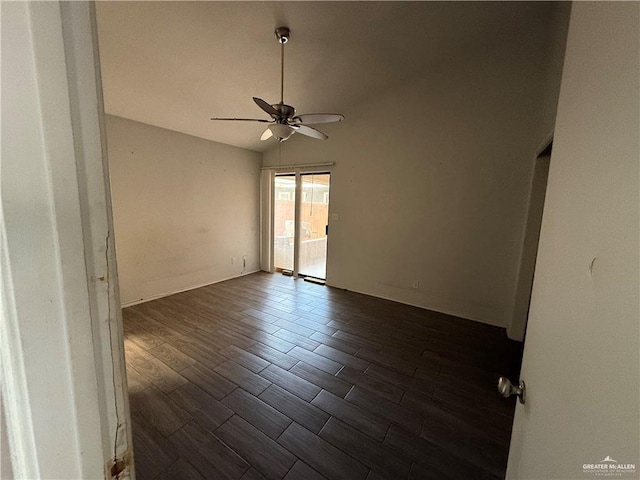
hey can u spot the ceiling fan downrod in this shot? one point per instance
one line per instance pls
(282, 34)
(284, 122)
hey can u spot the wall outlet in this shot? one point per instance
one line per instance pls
(415, 284)
(244, 261)
(233, 260)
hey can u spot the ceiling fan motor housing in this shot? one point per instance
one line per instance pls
(284, 111)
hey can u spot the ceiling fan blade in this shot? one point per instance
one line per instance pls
(266, 135)
(309, 132)
(244, 119)
(313, 118)
(266, 107)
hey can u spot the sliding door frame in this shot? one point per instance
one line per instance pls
(297, 172)
(297, 209)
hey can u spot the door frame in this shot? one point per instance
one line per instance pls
(517, 326)
(64, 388)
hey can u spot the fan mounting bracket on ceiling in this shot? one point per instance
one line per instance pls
(282, 34)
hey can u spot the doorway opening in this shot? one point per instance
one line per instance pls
(301, 224)
(518, 326)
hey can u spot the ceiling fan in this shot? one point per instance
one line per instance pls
(284, 121)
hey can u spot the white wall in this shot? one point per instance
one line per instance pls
(432, 177)
(581, 359)
(182, 208)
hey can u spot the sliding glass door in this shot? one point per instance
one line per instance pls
(300, 223)
(314, 221)
(284, 232)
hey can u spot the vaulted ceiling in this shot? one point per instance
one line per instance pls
(176, 64)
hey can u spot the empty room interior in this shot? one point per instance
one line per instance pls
(326, 222)
(390, 369)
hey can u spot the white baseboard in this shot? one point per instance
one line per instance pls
(173, 292)
(438, 310)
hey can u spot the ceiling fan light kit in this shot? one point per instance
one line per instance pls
(284, 121)
(280, 131)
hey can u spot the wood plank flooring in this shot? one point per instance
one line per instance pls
(267, 377)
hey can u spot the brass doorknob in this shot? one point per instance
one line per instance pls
(506, 389)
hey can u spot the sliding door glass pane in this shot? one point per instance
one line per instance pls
(283, 223)
(314, 219)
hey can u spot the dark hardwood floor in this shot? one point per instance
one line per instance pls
(269, 377)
